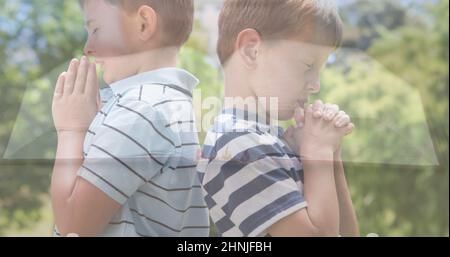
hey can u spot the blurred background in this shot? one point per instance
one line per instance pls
(391, 76)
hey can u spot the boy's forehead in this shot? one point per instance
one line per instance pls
(90, 8)
(90, 5)
(95, 10)
(307, 47)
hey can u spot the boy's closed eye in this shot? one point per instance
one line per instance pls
(94, 31)
(89, 26)
(308, 64)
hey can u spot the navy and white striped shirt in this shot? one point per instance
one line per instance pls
(251, 178)
(142, 151)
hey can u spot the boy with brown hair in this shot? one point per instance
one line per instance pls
(259, 180)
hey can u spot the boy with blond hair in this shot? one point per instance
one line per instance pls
(258, 179)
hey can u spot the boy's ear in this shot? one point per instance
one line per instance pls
(148, 22)
(248, 46)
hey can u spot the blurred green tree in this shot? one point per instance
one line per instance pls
(364, 21)
(35, 38)
(398, 93)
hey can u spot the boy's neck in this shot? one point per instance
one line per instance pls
(156, 59)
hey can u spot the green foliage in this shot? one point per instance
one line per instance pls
(364, 21)
(398, 157)
(35, 38)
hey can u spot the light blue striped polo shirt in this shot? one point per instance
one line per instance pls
(251, 178)
(141, 150)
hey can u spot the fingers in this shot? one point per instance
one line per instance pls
(92, 82)
(59, 88)
(82, 72)
(69, 81)
(349, 129)
(330, 111)
(317, 109)
(99, 101)
(341, 120)
(325, 111)
(299, 117)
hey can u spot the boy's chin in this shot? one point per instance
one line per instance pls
(109, 79)
(111, 76)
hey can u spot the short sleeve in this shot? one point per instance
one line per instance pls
(250, 183)
(129, 149)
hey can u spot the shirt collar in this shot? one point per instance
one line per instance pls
(260, 123)
(164, 76)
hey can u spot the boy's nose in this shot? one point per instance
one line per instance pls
(88, 50)
(314, 86)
